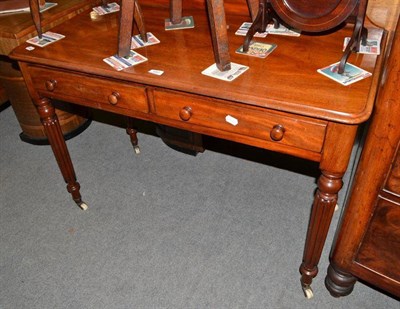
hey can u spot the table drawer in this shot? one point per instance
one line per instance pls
(96, 92)
(267, 125)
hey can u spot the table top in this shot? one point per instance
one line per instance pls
(17, 28)
(287, 80)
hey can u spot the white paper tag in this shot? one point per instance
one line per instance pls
(156, 72)
(232, 120)
(235, 71)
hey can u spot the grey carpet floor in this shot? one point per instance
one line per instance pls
(223, 229)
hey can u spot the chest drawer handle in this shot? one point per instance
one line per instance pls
(113, 98)
(277, 132)
(186, 113)
(51, 84)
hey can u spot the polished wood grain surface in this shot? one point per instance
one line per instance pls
(286, 80)
(393, 183)
(17, 28)
(380, 249)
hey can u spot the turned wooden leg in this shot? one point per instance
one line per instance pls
(132, 132)
(338, 282)
(321, 214)
(175, 7)
(219, 35)
(54, 134)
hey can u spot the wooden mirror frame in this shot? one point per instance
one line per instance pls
(314, 15)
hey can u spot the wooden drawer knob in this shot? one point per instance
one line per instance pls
(277, 132)
(185, 113)
(113, 98)
(51, 84)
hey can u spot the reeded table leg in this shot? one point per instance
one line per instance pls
(321, 214)
(54, 134)
(336, 153)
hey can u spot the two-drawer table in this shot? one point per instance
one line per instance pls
(281, 103)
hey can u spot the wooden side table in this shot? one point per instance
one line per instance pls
(308, 116)
(367, 245)
(15, 29)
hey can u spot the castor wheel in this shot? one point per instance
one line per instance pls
(82, 205)
(336, 207)
(308, 292)
(136, 149)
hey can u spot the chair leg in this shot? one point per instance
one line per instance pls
(219, 35)
(130, 13)
(35, 12)
(175, 11)
(139, 20)
(125, 27)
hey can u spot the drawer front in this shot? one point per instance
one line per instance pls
(95, 92)
(271, 126)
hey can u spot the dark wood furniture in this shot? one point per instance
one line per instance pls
(292, 109)
(367, 244)
(15, 29)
